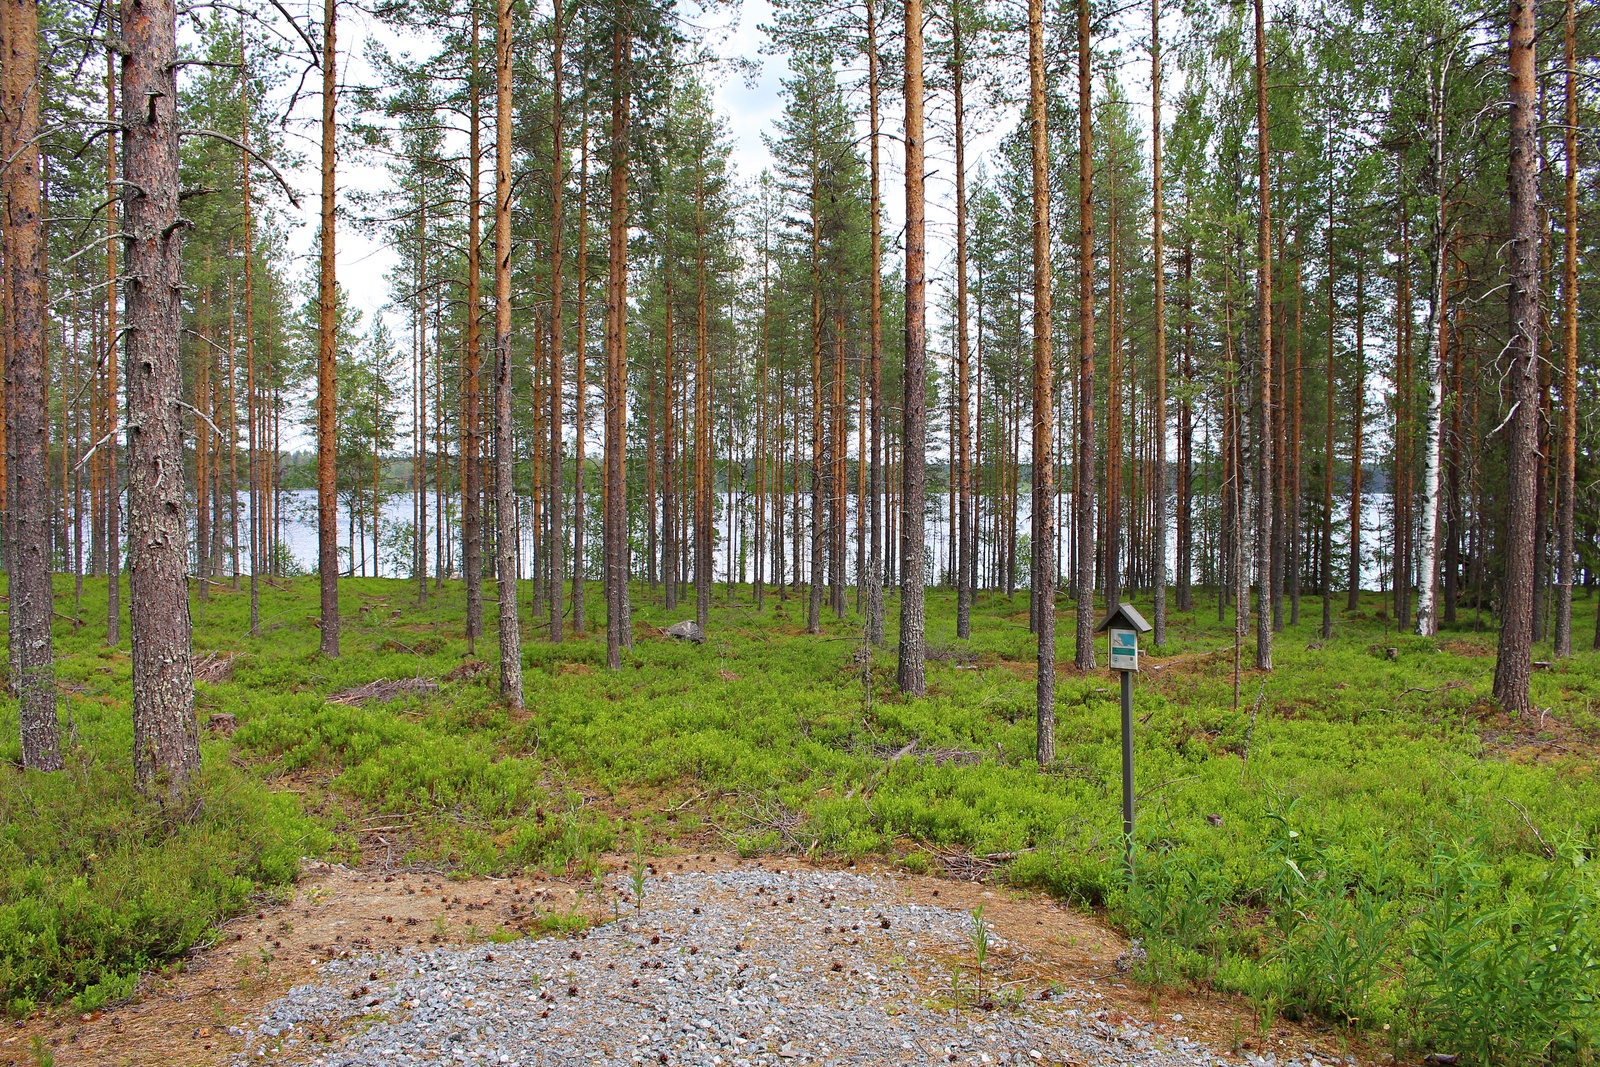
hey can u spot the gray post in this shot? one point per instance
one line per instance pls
(1127, 764)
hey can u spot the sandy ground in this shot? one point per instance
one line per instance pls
(199, 1013)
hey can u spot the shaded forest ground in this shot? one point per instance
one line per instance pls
(1363, 841)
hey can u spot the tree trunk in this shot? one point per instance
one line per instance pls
(1084, 504)
(616, 507)
(1327, 442)
(1566, 473)
(1160, 312)
(471, 418)
(505, 492)
(1438, 322)
(1264, 501)
(1358, 425)
(1513, 657)
(1044, 473)
(166, 750)
(875, 341)
(558, 185)
(912, 668)
(963, 400)
(580, 383)
(113, 365)
(327, 324)
(814, 591)
(703, 473)
(28, 555)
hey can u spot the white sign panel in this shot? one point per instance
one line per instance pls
(1124, 650)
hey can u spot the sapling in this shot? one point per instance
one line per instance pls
(640, 871)
(980, 944)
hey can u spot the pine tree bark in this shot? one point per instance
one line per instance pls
(580, 384)
(963, 566)
(703, 474)
(912, 667)
(558, 185)
(1264, 487)
(1044, 472)
(506, 536)
(1569, 341)
(113, 490)
(1158, 252)
(471, 415)
(327, 325)
(1513, 656)
(875, 339)
(1358, 420)
(814, 591)
(1083, 506)
(28, 555)
(166, 749)
(616, 498)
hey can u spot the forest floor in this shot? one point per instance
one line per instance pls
(321, 977)
(1342, 855)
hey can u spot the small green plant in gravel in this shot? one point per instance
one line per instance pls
(640, 875)
(979, 933)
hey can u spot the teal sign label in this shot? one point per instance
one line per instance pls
(1124, 650)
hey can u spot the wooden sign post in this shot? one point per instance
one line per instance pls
(1124, 624)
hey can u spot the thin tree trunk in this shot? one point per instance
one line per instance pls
(1428, 603)
(113, 365)
(912, 667)
(1265, 507)
(703, 472)
(327, 324)
(616, 509)
(28, 553)
(506, 536)
(558, 185)
(1084, 504)
(1044, 474)
(471, 430)
(1567, 471)
(875, 341)
(580, 384)
(814, 592)
(1358, 425)
(1513, 656)
(166, 750)
(963, 399)
(1160, 311)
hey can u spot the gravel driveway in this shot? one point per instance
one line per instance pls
(740, 967)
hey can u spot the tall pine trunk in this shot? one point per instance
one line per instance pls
(1569, 339)
(28, 553)
(616, 495)
(875, 341)
(1158, 251)
(113, 515)
(327, 325)
(1044, 473)
(471, 416)
(1512, 661)
(505, 488)
(166, 749)
(912, 668)
(963, 566)
(1083, 506)
(1264, 495)
(558, 183)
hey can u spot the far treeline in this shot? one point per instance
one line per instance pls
(1193, 326)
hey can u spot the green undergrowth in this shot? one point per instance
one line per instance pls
(1361, 839)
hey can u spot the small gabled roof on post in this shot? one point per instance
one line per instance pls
(1124, 617)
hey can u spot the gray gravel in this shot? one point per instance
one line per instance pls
(728, 969)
